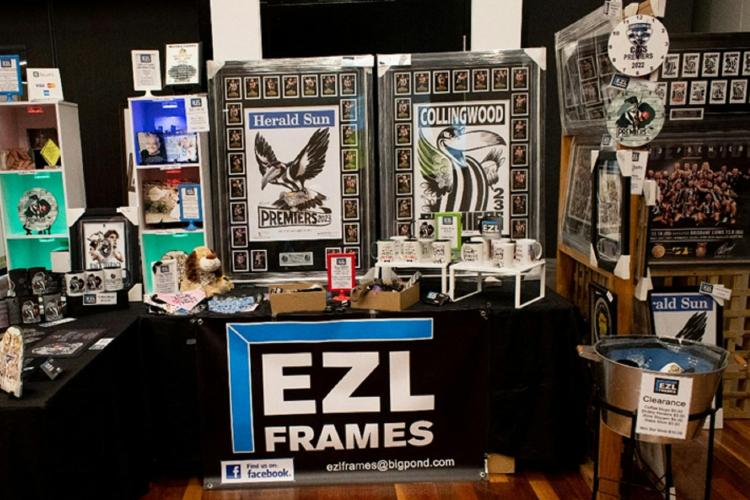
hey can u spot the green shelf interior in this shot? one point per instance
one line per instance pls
(156, 244)
(34, 252)
(13, 188)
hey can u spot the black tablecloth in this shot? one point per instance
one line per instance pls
(117, 417)
(82, 435)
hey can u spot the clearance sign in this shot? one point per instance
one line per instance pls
(356, 400)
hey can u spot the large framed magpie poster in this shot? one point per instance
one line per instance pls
(461, 132)
(293, 150)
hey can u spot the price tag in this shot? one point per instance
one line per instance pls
(664, 405)
(10, 75)
(44, 84)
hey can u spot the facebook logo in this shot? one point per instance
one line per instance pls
(233, 471)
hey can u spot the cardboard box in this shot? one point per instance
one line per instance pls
(287, 302)
(389, 301)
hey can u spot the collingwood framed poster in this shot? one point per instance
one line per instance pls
(464, 130)
(294, 163)
(702, 211)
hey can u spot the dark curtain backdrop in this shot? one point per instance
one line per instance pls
(91, 42)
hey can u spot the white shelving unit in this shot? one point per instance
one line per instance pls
(157, 239)
(400, 264)
(64, 182)
(518, 273)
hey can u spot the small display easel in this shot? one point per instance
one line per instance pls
(401, 264)
(484, 271)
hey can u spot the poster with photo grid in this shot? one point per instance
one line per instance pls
(460, 132)
(293, 152)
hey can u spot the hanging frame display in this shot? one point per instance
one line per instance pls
(461, 132)
(702, 211)
(610, 201)
(575, 230)
(294, 157)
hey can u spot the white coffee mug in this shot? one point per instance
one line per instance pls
(485, 248)
(385, 251)
(113, 279)
(411, 250)
(527, 251)
(441, 251)
(503, 252)
(472, 251)
(75, 284)
(94, 281)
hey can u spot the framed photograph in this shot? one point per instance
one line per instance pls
(698, 92)
(738, 91)
(421, 82)
(328, 85)
(403, 159)
(403, 184)
(349, 160)
(521, 104)
(519, 229)
(699, 217)
(237, 188)
(730, 64)
(348, 84)
(499, 79)
(661, 91)
(240, 261)
(232, 88)
(252, 87)
(402, 83)
(258, 260)
(239, 212)
(519, 205)
(330, 250)
(235, 139)
(521, 76)
(348, 110)
(404, 208)
(461, 80)
(350, 184)
(602, 312)
(234, 114)
(519, 156)
(718, 93)
(670, 68)
(351, 209)
(291, 86)
(348, 135)
(711, 63)
(271, 87)
(351, 233)
(691, 65)
(403, 134)
(480, 80)
(355, 252)
(678, 94)
(403, 108)
(441, 81)
(105, 239)
(519, 129)
(310, 85)
(239, 236)
(403, 229)
(236, 163)
(610, 233)
(520, 180)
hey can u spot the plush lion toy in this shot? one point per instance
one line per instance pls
(203, 270)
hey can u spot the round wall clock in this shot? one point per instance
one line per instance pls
(638, 45)
(635, 118)
(37, 210)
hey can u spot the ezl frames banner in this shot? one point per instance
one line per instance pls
(344, 401)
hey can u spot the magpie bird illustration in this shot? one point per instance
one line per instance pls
(457, 180)
(292, 175)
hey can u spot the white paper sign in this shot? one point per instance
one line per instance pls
(10, 75)
(165, 279)
(664, 405)
(638, 171)
(146, 72)
(196, 108)
(183, 64)
(341, 271)
(44, 84)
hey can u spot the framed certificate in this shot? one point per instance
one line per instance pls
(182, 64)
(294, 169)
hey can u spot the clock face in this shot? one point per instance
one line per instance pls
(638, 45)
(635, 118)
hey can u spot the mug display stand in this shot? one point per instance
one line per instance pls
(484, 271)
(401, 264)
